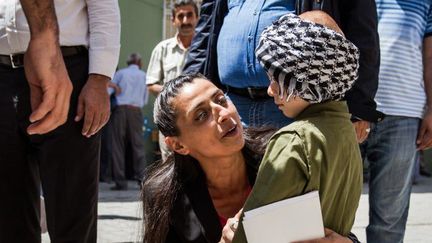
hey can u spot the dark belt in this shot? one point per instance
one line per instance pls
(254, 93)
(17, 60)
(130, 107)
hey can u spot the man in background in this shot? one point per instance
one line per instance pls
(405, 96)
(168, 57)
(228, 32)
(129, 85)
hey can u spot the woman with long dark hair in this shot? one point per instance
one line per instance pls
(207, 178)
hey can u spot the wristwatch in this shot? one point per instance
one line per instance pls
(355, 118)
(353, 238)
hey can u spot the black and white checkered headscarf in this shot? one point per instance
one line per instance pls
(307, 59)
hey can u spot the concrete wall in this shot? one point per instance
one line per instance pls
(141, 28)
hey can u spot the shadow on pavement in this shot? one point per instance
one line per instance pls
(132, 194)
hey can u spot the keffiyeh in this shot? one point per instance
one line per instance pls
(307, 59)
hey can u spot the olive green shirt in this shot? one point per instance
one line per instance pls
(318, 151)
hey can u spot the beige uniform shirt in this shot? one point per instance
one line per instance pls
(166, 62)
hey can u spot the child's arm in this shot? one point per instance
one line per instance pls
(283, 173)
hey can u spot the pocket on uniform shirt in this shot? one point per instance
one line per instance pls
(170, 71)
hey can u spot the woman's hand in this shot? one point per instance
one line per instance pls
(330, 237)
(230, 228)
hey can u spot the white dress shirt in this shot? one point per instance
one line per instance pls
(91, 23)
(132, 82)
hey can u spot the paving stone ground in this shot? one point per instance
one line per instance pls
(419, 225)
(120, 218)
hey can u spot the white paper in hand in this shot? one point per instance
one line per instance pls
(293, 219)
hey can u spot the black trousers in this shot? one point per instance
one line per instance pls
(106, 174)
(126, 125)
(63, 161)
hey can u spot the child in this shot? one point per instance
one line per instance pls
(310, 67)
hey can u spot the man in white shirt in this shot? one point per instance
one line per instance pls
(49, 124)
(127, 120)
(169, 56)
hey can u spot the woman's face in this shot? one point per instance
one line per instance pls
(208, 122)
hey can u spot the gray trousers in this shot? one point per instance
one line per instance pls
(127, 128)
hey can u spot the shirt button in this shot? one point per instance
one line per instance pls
(249, 38)
(250, 65)
(255, 13)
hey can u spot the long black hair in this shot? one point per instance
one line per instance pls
(161, 184)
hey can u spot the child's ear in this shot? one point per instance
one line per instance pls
(175, 145)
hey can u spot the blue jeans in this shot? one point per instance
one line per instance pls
(390, 150)
(259, 112)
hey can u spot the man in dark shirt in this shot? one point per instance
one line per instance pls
(226, 37)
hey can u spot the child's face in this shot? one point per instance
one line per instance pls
(290, 108)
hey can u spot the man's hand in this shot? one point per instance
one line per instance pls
(362, 129)
(230, 228)
(117, 89)
(330, 237)
(155, 88)
(93, 104)
(424, 138)
(50, 86)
